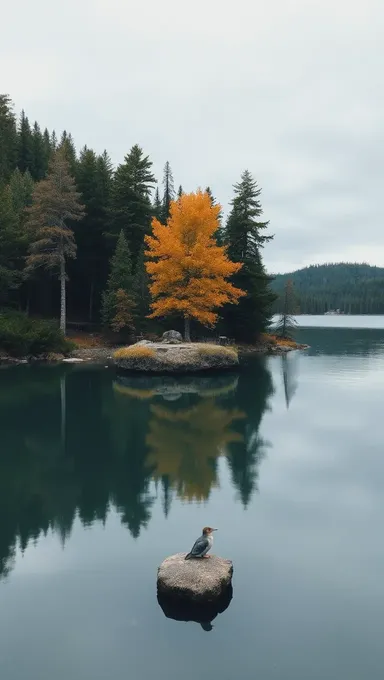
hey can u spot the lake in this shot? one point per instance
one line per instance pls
(102, 476)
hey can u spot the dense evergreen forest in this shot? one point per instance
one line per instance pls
(351, 288)
(91, 249)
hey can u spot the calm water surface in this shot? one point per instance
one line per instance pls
(101, 478)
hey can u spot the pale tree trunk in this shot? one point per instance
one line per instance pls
(63, 305)
(187, 333)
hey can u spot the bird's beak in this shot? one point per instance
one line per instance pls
(214, 529)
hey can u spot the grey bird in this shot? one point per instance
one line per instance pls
(203, 544)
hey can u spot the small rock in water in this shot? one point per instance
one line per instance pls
(194, 590)
(203, 579)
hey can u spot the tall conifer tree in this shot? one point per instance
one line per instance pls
(8, 139)
(118, 299)
(67, 146)
(169, 192)
(11, 245)
(219, 235)
(21, 188)
(89, 270)
(40, 154)
(24, 145)
(53, 141)
(56, 204)
(141, 291)
(245, 236)
(157, 206)
(131, 208)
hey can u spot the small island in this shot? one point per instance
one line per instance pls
(175, 357)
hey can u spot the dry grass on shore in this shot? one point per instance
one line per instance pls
(135, 352)
(275, 340)
(211, 350)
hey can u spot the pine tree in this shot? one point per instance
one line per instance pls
(21, 188)
(286, 323)
(118, 302)
(244, 238)
(208, 191)
(131, 208)
(11, 245)
(47, 143)
(89, 270)
(105, 174)
(169, 192)
(53, 141)
(67, 146)
(55, 204)
(141, 291)
(219, 235)
(40, 154)
(8, 139)
(244, 233)
(157, 206)
(24, 145)
(180, 191)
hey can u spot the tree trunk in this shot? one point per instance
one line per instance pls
(187, 336)
(91, 301)
(62, 294)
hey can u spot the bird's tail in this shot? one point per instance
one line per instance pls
(188, 557)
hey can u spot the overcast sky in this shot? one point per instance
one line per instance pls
(290, 89)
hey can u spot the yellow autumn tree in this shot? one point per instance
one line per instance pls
(189, 272)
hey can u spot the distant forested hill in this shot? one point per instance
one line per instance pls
(352, 288)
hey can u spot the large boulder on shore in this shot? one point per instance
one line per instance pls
(201, 581)
(172, 337)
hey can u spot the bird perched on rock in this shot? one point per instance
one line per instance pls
(203, 544)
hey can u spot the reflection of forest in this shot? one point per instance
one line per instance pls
(74, 444)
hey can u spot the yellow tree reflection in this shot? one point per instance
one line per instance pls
(184, 445)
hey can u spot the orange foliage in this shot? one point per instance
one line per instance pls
(285, 342)
(188, 270)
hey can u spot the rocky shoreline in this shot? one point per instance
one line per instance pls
(104, 354)
(96, 355)
(272, 350)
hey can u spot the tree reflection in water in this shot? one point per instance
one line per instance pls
(75, 442)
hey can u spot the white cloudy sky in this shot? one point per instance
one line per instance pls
(290, 89)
